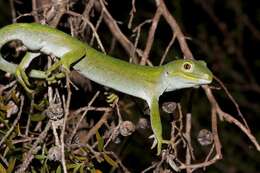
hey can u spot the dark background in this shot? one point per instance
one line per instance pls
(223, 33)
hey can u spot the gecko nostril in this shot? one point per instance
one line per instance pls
(166, 73)
(208, 77)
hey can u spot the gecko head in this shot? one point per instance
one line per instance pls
(185, 73)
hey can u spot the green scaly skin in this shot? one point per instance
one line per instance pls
(144, 82)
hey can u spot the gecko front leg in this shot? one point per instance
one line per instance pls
(156, 125)
(66, 61)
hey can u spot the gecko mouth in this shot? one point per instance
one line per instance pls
(198, 78)
(205, 81)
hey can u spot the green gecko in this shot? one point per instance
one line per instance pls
(144, 82)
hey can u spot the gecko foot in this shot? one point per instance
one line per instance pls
(159, 143)
(23, 79)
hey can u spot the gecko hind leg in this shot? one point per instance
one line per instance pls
(20, 74)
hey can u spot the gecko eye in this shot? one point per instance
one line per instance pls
(187, 67)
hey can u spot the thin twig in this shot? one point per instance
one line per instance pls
(34, 149)
(200, 165)
(117, 33)
(87, 10)
(111, 23)
(209, 154)
(94, 129)
(82, 116)
(91, 108)
(233, 100)
(188, 138)
(12, 10)
(91, 26)
(176, 29)
(137, 30)
(14, 123)
(118, 160)
(167, 49)
(96, 27)
(131, 14)
(151, 34)
(215, 132)
(229, 118)
(66, 106)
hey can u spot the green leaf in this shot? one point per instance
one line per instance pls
(33, 170)
(11, 165)
(110, 160)
(81, 170)
(41, 106)
(73, 166)
(45, 167)
(70, 166)
(93, 170)
(2, 169)
(38, 117)
(58, 170)
(100, 142)
(80, 158)
(40, 157)
(75, 170)
(5, 122)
